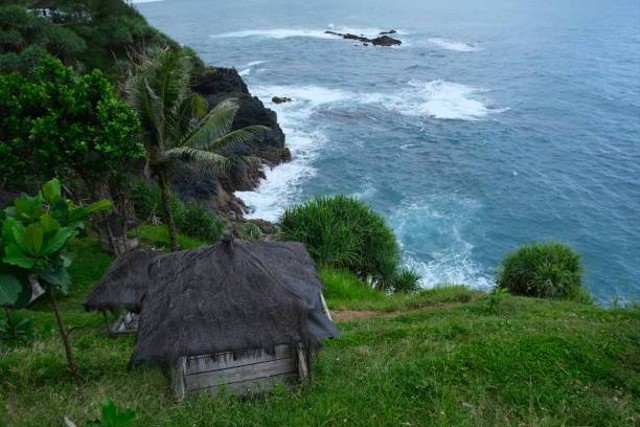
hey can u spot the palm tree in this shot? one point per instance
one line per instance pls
(174, 122)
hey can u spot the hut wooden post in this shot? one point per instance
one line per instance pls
(179, 374)
(303, 366)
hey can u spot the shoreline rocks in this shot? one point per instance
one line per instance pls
(280, 99)
(215, 190)
(383, 38)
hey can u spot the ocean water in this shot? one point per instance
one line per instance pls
(496, 123)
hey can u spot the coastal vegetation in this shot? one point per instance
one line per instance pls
(406, 356)
(175, 124)
(446, 356)
(96, 34)
(36, 233)
(56, 122)
(344, 232)
(545, 270)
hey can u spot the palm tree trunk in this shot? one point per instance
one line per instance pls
(166, 206)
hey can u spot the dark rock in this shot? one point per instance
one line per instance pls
(215, 190)
(219, 80)
(386, 33)
(280, 99)
(383, 40)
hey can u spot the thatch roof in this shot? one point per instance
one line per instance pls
(236, 296)
(124, 284)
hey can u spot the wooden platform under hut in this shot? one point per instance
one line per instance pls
(238, 315)
(127, 323)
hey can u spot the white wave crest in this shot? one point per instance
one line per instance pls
(444, 257)
(282, 185)
(456, 46)
(249, 67)
(281, 33)
(437, 99)
(285, 33)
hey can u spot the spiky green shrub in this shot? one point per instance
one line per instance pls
(344, 232)
(544, 270)
(406, 280)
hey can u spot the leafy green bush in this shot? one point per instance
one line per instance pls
(545, 270)
(148, 203)
(344, 232)
(196, 221)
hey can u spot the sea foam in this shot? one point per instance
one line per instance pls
(285, 33)
(453, 45)
(437, 99)
(443, 257)
(282, 185)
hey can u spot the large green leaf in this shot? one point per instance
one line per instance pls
(56, 275)
(28, 208)
(82, 212)
(7, 230)
(15, 256)
(33, 239)
(100, 205)
(58, 240)
(48, 223)
(10, 289)
(25, 294)
(52, 190)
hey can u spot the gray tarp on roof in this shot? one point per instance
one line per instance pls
(124, 284)
(234, 296)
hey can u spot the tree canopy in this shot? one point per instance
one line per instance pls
(56, 122)
(85, 34)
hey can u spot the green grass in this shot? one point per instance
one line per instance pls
(464, 359)
(158, 235)
(344, 291)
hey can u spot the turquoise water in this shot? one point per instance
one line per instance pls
(493, 125)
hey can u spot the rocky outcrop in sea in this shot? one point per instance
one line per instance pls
(383, 38)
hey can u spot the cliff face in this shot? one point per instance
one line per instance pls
(216, 190)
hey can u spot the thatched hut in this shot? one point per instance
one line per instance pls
(239, 313)
(122, 287)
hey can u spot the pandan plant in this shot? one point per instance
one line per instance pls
(36, 232)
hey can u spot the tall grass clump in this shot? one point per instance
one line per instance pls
(544, 270)
(345, 233)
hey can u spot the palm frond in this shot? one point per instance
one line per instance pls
(235, 138)
(214, 125)
(195, 155)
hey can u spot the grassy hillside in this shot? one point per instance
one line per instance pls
(445, 357)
